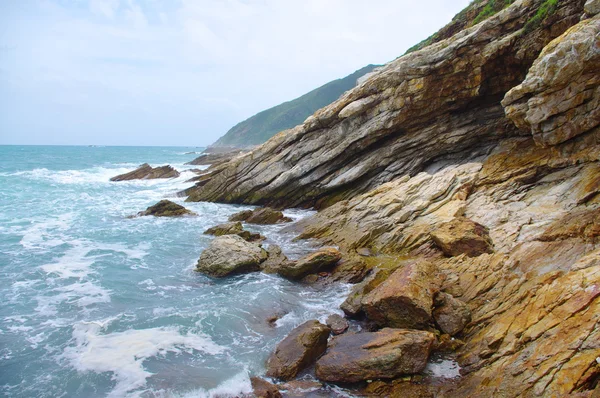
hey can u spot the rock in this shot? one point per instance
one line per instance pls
(447, 343)
(251, 236)
(166, 208)
(337, 324)
(298, 350)
(263, 389)
(272, 320)
(230, 228)
(215, 159)
(405, 298)
(301, 388)
(266, 215)
(146, 172)
(462, 236)
(352, 306)
(241, 216)
(276, 260)
(310, 264)
(450, 314)
(364, 251)
(560, 97)
(592, 7)
(230, 254)
(389, 353)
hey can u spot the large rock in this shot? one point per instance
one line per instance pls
(166, 208)
(146, 172)
(337, 324)
(263, 215)
(592, 7)
(230, 228)
(298, 350)
(310, 264)
(405, 299)
(276, 261)
(463, 236)
(385, 354)
(230, 254)
(450, 314)
(263, 389)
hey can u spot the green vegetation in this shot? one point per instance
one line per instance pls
(547, 8)
(262, 126)
(491, 8)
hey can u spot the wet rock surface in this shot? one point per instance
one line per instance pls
(310, 264)
(234, 228)
(298, 350)
(166, 208)
(337, 324)
(230, 254)
(389, 353)
(263, 389)
(146, 172)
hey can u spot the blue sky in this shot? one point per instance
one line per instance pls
(182, 72)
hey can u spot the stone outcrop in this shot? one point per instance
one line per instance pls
(230, 254)
(462, 236)
(450, 314)
(389, 353)
(310, 264)
(439, 105)
(298, 350)
(262, 216)
(146, 172)
(215, 159)
(405, 298)
(166, 208)
(234, 228)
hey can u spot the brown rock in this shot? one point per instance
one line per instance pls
(230, 254)
(447, 343)
(166, 208)
(298, 350)
(266, 215)
(462, 236)
(388, 353)
(405, 298)
(263, 389)
(337, 324)
(241, 216)
(230, 228)
(275, 261)
(311, 264)
(301, 388)
(146, 172)
(450, 314)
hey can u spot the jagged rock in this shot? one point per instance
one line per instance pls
(263, 215)
(560, 98)
(405, 298)
(166, 208)
(215, 159)
(230, 228)
(146, 172)
(337, 324)
(462, 236)
(263, 389)
(583, 224)
(241, 216)
(389, 353)
(450, 314)
(310, 264)
(276, 260)
(230, 254)
(298, 350)
(592, 7)
(352, 306)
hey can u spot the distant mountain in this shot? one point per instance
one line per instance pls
(262, 126)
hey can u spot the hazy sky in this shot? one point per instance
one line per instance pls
(182, 72)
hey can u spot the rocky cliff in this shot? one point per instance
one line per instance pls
(479, 154)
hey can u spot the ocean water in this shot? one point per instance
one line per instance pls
(96, 304)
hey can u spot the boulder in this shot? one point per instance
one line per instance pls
(405, 298)
(298, 350)
(388, 353)
(146, 172)
(230, 228)
(337, 324)
(263, 389)
(310, 264)
(462, 236)
(166, 208)
(276, 260)
(592, 7)
(240, 216)
(266, 215)
(450, 314)
(230, 254)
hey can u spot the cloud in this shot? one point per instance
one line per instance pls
(105, 8)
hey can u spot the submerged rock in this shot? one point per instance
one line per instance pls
(405, 298)
(462, 236)
(389, 353)
(310, 264)
(450, 314)
(146, 172)
(230, 254)
(298, 350)
(166, 208)
(263, 389)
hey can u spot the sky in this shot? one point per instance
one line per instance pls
(182, 72)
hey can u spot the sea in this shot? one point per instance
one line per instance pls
(97, 304)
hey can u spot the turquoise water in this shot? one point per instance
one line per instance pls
(96, 304)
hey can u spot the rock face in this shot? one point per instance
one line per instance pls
(230, 254)
(215, 159)
(405, 298)
(462, 236)
(166, 208)
(385, 354)
(310, 264)
(437, 105)
(450, 314)
(298, 350)
(146, 172)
